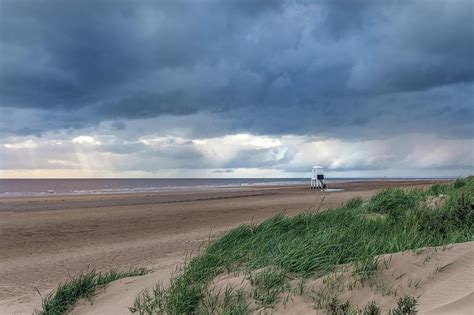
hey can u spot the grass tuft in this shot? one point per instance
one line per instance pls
(371, 309)
(335, 307)
(354, 203)
(268, 284)
(405, 306)
(229, 302)
(61, 300)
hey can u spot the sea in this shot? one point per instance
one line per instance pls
(42, 187)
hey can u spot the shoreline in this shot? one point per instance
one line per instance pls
(279, 182)
(337, 184)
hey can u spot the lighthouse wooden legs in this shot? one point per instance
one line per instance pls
(317, 184)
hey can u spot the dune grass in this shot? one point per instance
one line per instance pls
(314, 243)
(63, 298)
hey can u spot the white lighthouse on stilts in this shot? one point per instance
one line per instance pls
(317, 178)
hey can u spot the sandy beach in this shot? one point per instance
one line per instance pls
(45, 240)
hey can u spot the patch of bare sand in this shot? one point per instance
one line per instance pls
(120, 295)
(441, 278)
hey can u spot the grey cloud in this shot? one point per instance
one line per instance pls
(351, 69)
(118, 125)
(260, 158)
(120, 147)
(222, 171)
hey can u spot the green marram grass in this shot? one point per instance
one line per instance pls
(61, 300)
(268, 284)
(314, 243)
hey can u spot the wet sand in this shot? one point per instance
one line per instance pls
(45, 240)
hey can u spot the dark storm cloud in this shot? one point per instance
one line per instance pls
(335, 68)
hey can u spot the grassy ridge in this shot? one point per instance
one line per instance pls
(63, 298)
(312, 244)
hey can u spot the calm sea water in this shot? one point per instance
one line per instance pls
(35, 187)
(39, 187)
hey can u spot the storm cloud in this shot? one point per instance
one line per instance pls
(356, 71)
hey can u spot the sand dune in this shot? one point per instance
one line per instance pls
(445, 276)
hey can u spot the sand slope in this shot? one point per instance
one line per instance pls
(452, 290)
(442, 278)
(120, 294)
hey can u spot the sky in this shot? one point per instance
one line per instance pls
(243, 88)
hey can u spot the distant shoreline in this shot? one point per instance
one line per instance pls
(20, 188)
